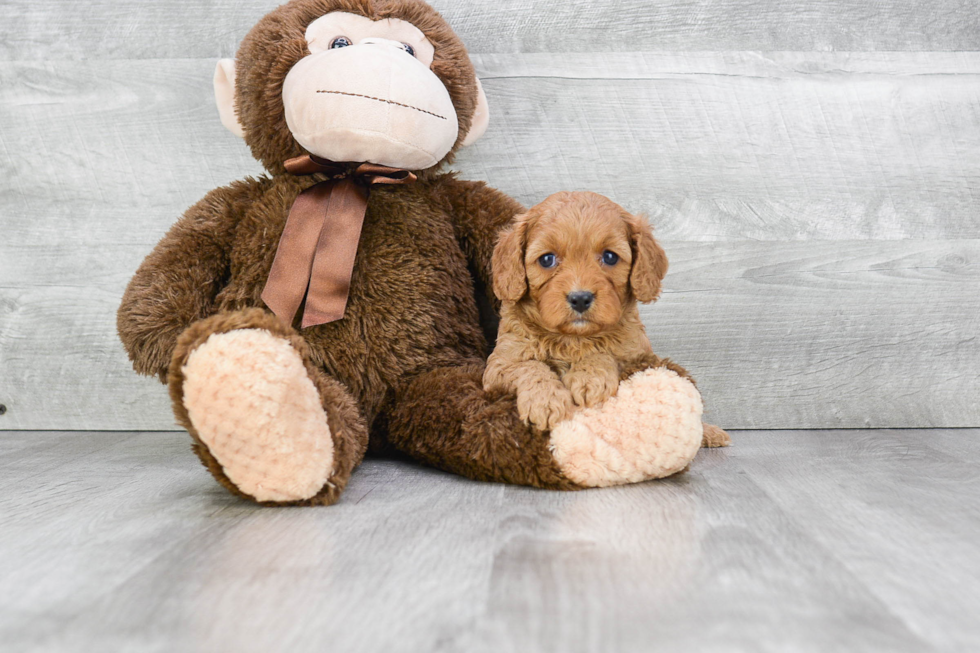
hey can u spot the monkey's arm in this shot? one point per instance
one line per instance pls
(179, 280)
(479, 213)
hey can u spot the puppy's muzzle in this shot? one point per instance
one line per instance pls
(580, 300)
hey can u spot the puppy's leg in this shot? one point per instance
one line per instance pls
(714, 436)
(593, 379)
(542, 399)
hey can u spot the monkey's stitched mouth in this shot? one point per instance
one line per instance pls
(378, 99)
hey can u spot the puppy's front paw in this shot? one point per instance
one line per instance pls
(590, 387)
(544, 406)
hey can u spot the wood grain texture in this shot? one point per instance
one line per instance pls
(844, 335)
(841, 334)
(61, 29)
(820, 212)
(712, 147)
(787, 541)
(845, 492)
(722, 146)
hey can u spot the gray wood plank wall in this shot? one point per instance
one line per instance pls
(813, 170)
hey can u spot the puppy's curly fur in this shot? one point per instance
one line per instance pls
(569, 273)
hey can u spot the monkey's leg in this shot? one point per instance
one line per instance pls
(711, 435)
(650, 429)
(267, 423)
(444, 418)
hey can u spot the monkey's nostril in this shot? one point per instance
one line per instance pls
(580, 300)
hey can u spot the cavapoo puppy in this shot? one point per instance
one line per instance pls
(569, 274)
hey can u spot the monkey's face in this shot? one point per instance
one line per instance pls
(385, 82)
(366, 93)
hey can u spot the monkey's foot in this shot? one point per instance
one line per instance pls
(257, 411)
(650, 429)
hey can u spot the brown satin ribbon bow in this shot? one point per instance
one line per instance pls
(316, 252)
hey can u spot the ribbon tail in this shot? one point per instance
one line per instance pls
(315, 258)
(289, 276)
(336, 248)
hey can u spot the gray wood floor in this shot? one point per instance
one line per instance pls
(788, 541)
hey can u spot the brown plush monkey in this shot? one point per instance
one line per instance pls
(282, 414)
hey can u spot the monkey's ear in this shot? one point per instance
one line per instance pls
(224, 96)
(481, 117)
(509, 275)
(649, 260)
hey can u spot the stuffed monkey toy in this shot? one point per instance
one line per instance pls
(330, 308)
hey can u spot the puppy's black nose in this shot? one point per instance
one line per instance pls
(580, 300)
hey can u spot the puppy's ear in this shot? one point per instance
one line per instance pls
(649, 260)
(509, 275)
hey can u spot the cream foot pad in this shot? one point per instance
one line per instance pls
(650, 429)
(254, 406)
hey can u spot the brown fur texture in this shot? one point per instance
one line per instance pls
(445, 419)
(552, 357)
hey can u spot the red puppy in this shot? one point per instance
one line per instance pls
(569, 274)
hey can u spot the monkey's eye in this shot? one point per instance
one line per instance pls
(548, 261)
(409, 49)
(610, 258)
(340, 42)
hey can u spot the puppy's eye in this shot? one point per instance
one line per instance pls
(547, 261)
(610, 258)
(409, 49)
(340, 42)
